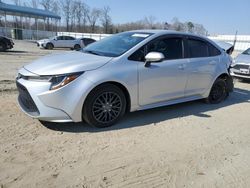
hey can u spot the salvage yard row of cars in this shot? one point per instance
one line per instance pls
(5, 43)
(64, 42)
(50, 43)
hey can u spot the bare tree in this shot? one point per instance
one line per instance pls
(34, 3)
(106, 19)
(86, 11)
(93, 17)
(47, 5)
(199, 29)
(149, 22)
(66, 5)
(78, 13)
(177, 25)
(190, 27)
(16, 2)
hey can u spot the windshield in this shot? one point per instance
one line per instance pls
(247, 52)
(116, 45)
(52, 38)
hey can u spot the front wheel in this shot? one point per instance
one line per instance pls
(2, 47)
(49, 46)
(104, 106)
(218, 93)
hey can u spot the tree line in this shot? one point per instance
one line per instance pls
(77, 16)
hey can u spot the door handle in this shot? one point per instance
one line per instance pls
(182, 67)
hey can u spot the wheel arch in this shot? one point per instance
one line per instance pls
(120, 86)
(5, 44)
(50, 43)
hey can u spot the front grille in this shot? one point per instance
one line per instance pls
(26, 101)
(240, 66)
(237, 73)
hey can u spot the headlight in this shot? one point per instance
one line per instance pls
(60, 81)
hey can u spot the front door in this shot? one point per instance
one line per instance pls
(165, 80)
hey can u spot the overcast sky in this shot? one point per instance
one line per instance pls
(217, 16)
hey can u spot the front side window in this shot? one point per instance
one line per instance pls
(88, 41)
(69, 38)
(60, 38)
(116, 45)
(171, 48)
(213, 51)
(197, 48)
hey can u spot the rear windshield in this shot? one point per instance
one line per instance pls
(247, 52)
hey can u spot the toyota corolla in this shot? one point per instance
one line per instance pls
(126, 72)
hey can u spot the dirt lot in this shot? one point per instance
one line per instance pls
(186, 145)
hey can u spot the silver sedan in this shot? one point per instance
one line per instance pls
(241, 65)
(126, 72)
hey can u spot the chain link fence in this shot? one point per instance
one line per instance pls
(25, 34)
(242, 41)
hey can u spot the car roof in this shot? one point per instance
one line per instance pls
(164, 32)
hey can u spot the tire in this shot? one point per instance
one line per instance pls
(104, 106)
(49, 46)
(218, 93)
(77, 47)
(3, 47)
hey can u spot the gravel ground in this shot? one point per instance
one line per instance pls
(185, 145)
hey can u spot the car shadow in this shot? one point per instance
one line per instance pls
(156, 115)
(10, 52)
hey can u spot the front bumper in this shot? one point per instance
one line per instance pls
(31, 104)
(41, 44)
(244, 76)
(240, 71)
(61, 105)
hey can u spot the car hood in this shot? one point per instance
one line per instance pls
(43, 40)
(242, 58)
(64, 63)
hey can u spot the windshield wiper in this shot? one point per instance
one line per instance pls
(91, 52)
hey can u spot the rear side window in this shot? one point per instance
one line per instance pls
(88, 41)
(213, 51)
(69, 38)
(60, 38)
(197, 48)
(171, 48)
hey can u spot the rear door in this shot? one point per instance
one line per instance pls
(70, 42)
(202, 64)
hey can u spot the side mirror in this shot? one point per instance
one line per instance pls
(153, 57)
(55, 38)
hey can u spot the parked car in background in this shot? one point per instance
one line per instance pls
(60, 42)
(5, 43)
(125, 72)
(86, 41)
(241, 65)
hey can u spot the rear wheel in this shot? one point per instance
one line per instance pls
(218, 93)
(104, 106)
(2, 47)
(49, 46)
(77, 47)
